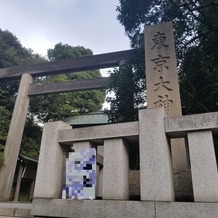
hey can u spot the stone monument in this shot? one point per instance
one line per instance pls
(163, 91)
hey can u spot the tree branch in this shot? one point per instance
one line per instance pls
(195, 8)
(202, 35)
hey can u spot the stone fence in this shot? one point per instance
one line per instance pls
(153, 131)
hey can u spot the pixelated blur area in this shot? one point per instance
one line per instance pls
(80, 175)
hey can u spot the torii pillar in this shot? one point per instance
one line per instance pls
(15, 133)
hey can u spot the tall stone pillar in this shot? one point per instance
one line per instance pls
(163, 91)
(161, 70)
(15, 133)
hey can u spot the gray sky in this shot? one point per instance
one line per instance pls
(40, 24)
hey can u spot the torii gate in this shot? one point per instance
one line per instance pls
(28, 88)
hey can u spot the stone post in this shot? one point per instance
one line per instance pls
(49, 178)
(156, 177)
(163, 88)
(116, 170)
(203, 166)
(15, 133)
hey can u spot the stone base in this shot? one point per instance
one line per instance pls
(19, 210)
(121, 209)
(92, 208)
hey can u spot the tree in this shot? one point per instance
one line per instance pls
(13, 53)
(51, 107)
(31, 139)
(195, 27)
(128, 84)
(198, 74)
(187, 16)
(60, 106)
(4, 122)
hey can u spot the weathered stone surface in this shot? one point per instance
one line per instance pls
(100, 133)
(161, 70)
(179, 154)
(100, 150)
(50, 173)
(7, 212)
(203, 166)
(121, 209)
(162, 81)
(134, 183)
(22, 213)
(93, 209)
(99, 181)
(181, 170)
(186, 210)
(116, 170)
(155, 161)
(11, 209)
(178, 126)
(77, 146)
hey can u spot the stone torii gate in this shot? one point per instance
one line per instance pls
(28, 88)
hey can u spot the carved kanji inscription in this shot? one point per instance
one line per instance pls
(159, 40)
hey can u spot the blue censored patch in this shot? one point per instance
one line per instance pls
(80, 175)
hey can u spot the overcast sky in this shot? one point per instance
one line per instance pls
(40, 24)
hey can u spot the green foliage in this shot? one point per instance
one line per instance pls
(13, 53)
(133, 15)
(30, 144)
(4, 125)
(196, 33)
(199, 81)
(51, 107)
(60, 106)
(126, 82)
(198, 73)
(64, 51)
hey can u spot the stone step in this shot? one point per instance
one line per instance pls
(18, 210)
